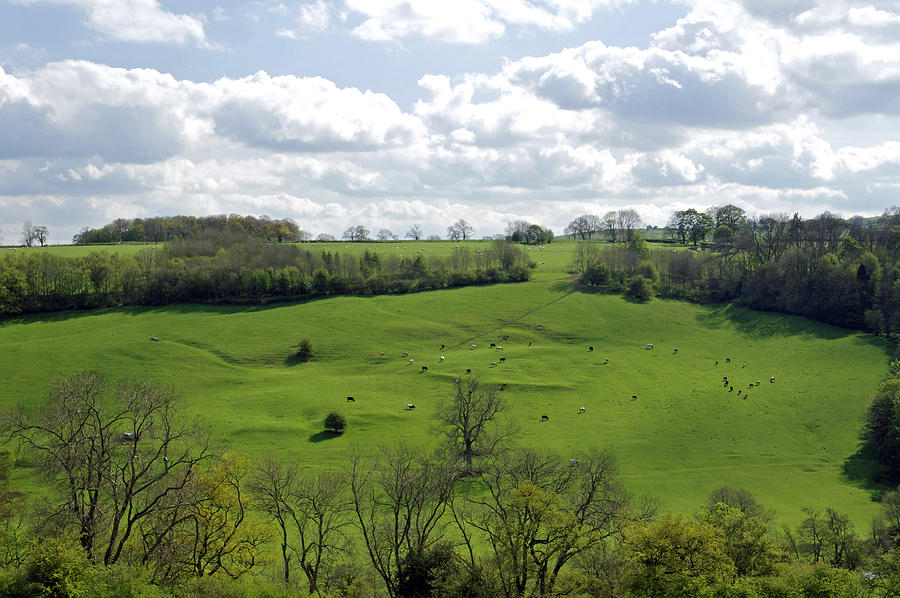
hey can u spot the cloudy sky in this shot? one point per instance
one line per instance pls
(389, 113)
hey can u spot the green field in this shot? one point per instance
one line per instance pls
(81, 250)
(789, 442)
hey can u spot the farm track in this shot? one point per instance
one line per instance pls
(526, 314)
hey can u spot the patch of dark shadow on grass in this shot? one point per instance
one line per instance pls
(863, 470)
(324, 435)
(296, 358)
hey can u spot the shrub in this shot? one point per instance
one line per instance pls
(335, 422)
(304, 349)
(640, 289)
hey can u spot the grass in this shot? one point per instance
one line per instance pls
(792, 442)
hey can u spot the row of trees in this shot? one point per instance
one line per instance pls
(237, 268)
(140, 489)
(167, 228)
(522, 231)
(844, 272)
(615, 225)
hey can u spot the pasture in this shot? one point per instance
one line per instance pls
(684, 435)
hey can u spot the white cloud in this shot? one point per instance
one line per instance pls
(468, 21)
(139, 21)
(310, 18)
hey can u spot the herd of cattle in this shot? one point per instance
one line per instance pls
(729, 384)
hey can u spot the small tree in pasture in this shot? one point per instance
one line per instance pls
(335, 422)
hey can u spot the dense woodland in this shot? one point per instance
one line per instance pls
(238, 267)
(826, 268)
(140, 502)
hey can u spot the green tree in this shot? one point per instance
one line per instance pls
(335, 422)
(641, 289)
(677, 557)
(748, 541)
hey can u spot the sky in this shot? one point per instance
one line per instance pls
(390, 113)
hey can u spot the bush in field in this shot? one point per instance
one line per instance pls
(304, 349)
(335, 422)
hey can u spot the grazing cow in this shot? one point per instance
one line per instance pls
(154, 339)
(739, 392)
(717, 362)
(382, 353)
(649, 345)
(493, 345)
(424, 368)
(410, 406)
(127, 437)
(411, 361)
(351, 400)
(634, 397)
(442, 346)
(573, 462)
(676, 350)
(730, 388)
(468, 371)
(499, 348)
(405, 354)
(545, 418)
(757, 383)
(581, 410)
(506, 337)
(607, 361)
(442, 358)
(493, 364)
(727, 360)
(772, 379)
(474, 346)
(502, 359)
(529, 343)
(590, 348)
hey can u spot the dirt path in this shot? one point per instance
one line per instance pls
(524, 315)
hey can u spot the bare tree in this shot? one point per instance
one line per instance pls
(414, 232)
(272, 484)
(467, 420)
(538, 512)
(400, 499)
(27, 234)
(611, 225)
(356, 233)
(629, 220)
(459, 230)
(385, 234)
(115, 461)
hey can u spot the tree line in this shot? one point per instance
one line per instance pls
(843, 272)
(141, 502)
(236, 267)
(162, 229)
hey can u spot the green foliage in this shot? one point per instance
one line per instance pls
(234, 267)
(335, 422)
(677, 557)
(637, 245)
(748, 541)
(304, 349)
(640, 289)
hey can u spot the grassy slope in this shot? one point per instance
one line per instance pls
(683, 436)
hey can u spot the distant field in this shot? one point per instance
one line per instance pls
(552, 258)
(81, 250)
(683, 436)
